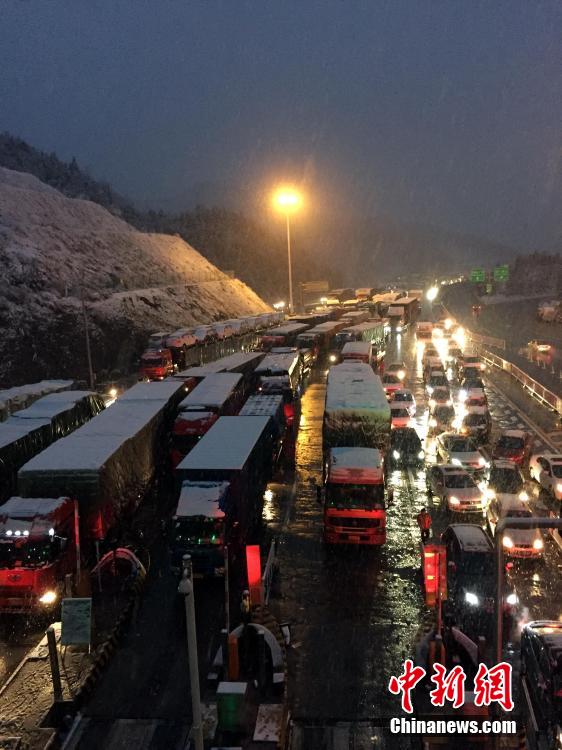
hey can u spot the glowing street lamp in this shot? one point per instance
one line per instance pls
(432, 293)
(288, 200)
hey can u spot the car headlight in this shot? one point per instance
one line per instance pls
(449, 402)
(523, 496)
(430, 389)
(481, 461)
(433, 422)
(456, 461)
(512, 599)
(396, 455)
(49, 597)
(431, 403)
(398, 329)
(490, 493)
(538, 544)
(508, 542)
(421, 454)
(454, 501)
(462, 395)
(400, 374)
(333, 357)
(559, 487)
(471, 598)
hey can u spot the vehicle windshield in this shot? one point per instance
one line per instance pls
(557, 470)
(403, 397)
(390, 379)
(471, 360)
(505, 480)
(396, 366)
(152, 361)
(198, 529)
(355, 496)
(406, 441)
(438, 380)
(461, 445)
(474, 420)
(519, 513)
(473, 383)
(475, 402)
(459, 481)
(511, 443)
(399, 413)
(444, 413)
(28, 553)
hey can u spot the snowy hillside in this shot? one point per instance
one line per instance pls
(133, 283)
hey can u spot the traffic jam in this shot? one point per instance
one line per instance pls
(407, 402)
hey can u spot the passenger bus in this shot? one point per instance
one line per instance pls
(218, 394)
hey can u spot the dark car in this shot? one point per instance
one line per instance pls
(405, 448)
(478, 425)
(440, 419)
(513, 445)
(541, 672)
(470, 578)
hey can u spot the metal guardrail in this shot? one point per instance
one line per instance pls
(478, 339)
(536, 390)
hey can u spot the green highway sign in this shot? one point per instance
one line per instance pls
(478, 275)
(501, 273)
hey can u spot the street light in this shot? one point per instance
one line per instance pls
(432, 293)
(287, 200)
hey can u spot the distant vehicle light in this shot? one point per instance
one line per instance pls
(471, 598)
(462, 395)
(481, 461)
(396, 455)
(523, 496)
(398, 329)
(456, 461)
(559, 487)
(508, 542)
(490, 493)
(113, 392)
(431, 403)
(433, 422)
(333, 358)
(400, 374)
(512, 599)
(538, 544)
(454, 501)
(421, 454)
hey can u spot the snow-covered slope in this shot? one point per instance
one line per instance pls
(133, 283)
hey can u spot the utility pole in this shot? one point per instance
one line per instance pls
(87, 336)
(186, 589)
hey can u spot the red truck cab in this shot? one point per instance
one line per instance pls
(354, 497)
(37, 551)
(156, 364)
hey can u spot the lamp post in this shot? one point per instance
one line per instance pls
(288, 200)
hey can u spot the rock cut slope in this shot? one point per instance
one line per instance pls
(54, 250)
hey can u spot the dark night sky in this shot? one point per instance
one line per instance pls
(444, 112)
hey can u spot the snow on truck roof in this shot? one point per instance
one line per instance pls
(212, 390)
(356, 347)
(49, 406)
(93, 444)
(354, 386)
(224, 364)
(286, 329)
(201, 499)
(162, 390)
(278, 363)
(355, 465)
(267, 406)
(227, 445)
(27, 508)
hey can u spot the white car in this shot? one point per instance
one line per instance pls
(546, 469)
(406, 399)
(441, 396)
(516, 542)
(461, 451)
(456, 488)
(400, 416)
